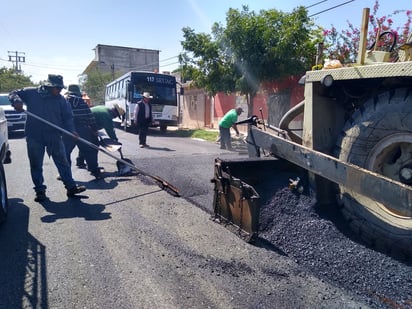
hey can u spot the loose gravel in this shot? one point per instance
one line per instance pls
(318, 239)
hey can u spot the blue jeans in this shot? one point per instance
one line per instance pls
(36, 150)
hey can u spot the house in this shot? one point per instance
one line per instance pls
(196, 108)
(119, 60)
(199, 110)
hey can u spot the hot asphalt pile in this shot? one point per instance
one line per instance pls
(318, 239)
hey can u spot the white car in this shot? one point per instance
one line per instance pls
(4, 159)
(15, 120)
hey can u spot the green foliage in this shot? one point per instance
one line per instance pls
(202, 62)
(95, 85)
(344, 45)
(267, 46)
(251, 48)
(10, 80)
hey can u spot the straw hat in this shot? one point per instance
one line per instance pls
(147, 95)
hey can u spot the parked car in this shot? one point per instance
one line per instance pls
(15, 119)
(5, 158)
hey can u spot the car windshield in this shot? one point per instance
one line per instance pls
(4, 100)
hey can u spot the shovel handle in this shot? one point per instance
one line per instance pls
(162, 183)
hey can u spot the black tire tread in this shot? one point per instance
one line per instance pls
(3, 214)
(353, 146)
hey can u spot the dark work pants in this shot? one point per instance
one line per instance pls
(143, 129)
(89, 154)
(225, 138)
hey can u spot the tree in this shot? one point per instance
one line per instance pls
(10, 80)
(344, 45)
(203, 63)
(251, 48)
(95, 85)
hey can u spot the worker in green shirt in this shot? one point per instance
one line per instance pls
(104, 120)
(228, 121)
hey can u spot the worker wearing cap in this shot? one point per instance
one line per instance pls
(46, 103)
(86, 127)
(228, 121)
(104, 118)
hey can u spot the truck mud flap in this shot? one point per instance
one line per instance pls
(239, 186)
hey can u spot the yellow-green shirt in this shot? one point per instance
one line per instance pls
(228, 119)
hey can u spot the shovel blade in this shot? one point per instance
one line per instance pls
(112, 148)
(123, 169)
(109, 144)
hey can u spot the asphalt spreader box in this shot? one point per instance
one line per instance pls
(240, 186)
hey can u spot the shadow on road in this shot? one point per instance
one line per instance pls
(23, 278)
(74, 208)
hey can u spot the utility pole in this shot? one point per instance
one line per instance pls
(111, 66)
(112, 69)
(16, 58)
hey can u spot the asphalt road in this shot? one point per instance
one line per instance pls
(129, 244)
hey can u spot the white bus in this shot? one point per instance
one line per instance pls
(127, 90)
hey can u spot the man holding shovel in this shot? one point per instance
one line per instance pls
(103, 116)
(47, 103)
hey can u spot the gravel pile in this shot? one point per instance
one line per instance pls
(318, 239)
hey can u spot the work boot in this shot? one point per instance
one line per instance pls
(75, 190)
(40, 196)
(80, 163)
(97, 174)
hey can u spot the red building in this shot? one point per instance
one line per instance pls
(198, 110)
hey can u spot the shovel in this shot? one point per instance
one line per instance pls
(159, 181)
(112, 146)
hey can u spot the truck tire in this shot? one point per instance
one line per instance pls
(378, 137)
(3, 195)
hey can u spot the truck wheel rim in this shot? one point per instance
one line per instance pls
(392, 158)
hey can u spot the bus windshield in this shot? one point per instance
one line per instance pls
(128, 89)
(161, 87)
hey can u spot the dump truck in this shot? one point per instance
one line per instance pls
(355, 148)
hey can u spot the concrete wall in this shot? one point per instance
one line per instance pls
(272, 101)
(193, 109)
(119, 59)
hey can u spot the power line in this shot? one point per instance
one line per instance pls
(168, 58)
(16, 58)
(334, 7)
(312, 5)
(44, 66)
(80, 68)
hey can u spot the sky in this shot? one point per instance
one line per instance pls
(59, 37)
